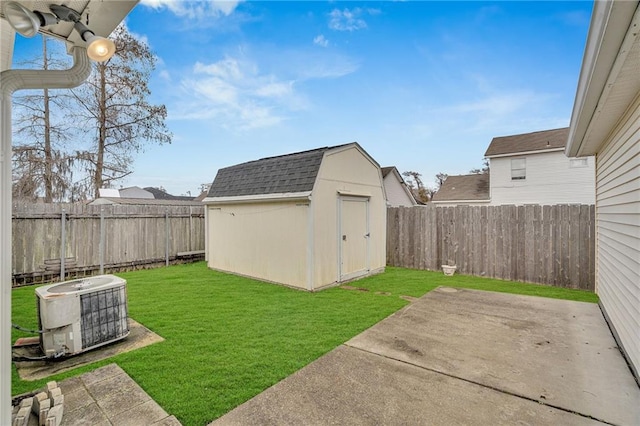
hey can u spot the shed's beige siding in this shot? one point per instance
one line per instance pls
(299, 242)
(265, 240)
(618, 230)
(351, 173)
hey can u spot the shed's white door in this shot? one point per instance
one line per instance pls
(354, 237)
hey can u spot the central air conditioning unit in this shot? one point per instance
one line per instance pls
(79, 315)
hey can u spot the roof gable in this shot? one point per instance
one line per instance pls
(281, 174)
(527, 142)
(464, 188)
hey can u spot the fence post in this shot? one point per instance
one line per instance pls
(190, 226)
(101, 247)
(166, 228)
(63, 243)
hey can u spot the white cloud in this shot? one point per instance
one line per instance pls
(503, 112)
(321, 41)
(234, 93)
(347, 20)
(195, 9)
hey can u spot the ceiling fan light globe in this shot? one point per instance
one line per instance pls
(100, 49)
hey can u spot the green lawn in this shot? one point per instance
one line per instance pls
(228, 338)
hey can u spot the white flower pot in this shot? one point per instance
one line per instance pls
(449, 269)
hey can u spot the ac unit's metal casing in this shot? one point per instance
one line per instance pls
(82, 314)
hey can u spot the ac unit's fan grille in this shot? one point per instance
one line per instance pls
(103, 316)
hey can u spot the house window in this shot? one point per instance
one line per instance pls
(578, 162)
(518, 168)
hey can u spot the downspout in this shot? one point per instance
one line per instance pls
(10, 82)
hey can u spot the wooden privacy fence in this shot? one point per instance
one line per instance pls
(552, 245)
(57, 241)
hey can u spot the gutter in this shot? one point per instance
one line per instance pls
(610, 22)
(516, 154)
(10, 82)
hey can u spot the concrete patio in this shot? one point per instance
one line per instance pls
(463, 357)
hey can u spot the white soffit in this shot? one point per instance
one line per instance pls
(6, 45)
(600, 106)
(102, 17)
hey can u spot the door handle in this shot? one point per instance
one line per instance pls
(344, 238)
(367, 235)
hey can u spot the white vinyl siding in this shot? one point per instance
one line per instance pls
(618, 229)
(550, 179)
(396, 194)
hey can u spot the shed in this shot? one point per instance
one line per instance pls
(308, 220)
(606, 123)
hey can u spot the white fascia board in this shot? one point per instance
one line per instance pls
(610, 21)
(519, 154)
(409, 194)
(260, 198)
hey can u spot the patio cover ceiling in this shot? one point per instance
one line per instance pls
(102, 17)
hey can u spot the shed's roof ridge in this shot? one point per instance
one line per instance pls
(291, 154)
(280, 174)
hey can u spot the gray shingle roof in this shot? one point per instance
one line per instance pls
(464, 187)
(536, 141)
(159, 194)
(273, 175)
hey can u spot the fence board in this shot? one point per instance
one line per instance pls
(133, 236)
(552, 245)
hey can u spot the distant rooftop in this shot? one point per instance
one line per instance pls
(386, 171)
(159, 194)
(144, 202)
(464, 187)
(526, 142)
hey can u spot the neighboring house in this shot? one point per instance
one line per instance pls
(397, 191)
(135, 195)
(142, 202)
(307, 220)
(160, 194)
(469, 190)
(606, 123)
(532, 168)
(135, 192)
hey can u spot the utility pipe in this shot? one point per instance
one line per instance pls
(10, 82)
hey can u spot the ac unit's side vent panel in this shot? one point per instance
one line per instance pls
(103, 316)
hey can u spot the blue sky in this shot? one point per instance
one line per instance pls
(421, 85)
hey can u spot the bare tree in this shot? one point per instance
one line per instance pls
(419, 191)
(483, 170)
(440, 178)
(42, 162)
(114, 110)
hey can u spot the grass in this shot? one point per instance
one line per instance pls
(228, 338)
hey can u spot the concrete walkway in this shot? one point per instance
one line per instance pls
(462, 357)
(108, 396)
